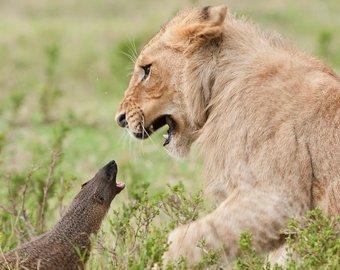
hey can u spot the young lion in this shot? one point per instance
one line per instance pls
(265, 117)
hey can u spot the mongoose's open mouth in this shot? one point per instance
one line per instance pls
(120, 186)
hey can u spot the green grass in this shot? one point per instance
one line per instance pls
(64, 64)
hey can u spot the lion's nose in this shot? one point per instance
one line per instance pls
(121, 120)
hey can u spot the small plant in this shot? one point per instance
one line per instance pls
(138, 242)
(57, 144)
(315, 242)
(210, 259)
(249, 259)
(181, 207)
(81, 253)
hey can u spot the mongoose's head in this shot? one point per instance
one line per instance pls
(102, 188)
(93, 201)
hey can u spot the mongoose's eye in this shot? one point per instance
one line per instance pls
(99, 199)
(146, 69)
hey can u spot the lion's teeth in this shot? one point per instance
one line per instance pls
(166, 136)
(151, 128)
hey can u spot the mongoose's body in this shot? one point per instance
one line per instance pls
(67, 246)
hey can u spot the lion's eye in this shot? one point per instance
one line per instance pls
(146, 69)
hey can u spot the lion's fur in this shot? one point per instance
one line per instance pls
(265, 117)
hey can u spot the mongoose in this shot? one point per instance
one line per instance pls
(67, 246)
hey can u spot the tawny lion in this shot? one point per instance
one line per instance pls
(265, 117)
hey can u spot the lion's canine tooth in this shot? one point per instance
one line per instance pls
(151, 128)
(166, 136)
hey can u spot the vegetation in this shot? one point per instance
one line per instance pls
(313, 243)
(64, 68)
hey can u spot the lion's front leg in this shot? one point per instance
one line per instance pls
(183, 241)
(264, 215)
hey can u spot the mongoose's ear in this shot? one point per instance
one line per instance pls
(83, 185)
(210, 26)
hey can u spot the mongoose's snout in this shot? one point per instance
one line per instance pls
(110, 172)
(111, 169)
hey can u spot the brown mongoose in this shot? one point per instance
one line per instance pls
(67, 246)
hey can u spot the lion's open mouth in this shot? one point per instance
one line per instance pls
(157, 124)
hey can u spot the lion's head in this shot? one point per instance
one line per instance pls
(172, 79)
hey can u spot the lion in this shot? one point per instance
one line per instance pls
(264, 116)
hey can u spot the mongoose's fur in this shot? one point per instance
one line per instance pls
(67, 246)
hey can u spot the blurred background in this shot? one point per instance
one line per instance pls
(64, 66)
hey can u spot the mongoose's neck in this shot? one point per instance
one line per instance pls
(78, 221)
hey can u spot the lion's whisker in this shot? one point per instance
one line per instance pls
(149, 135)
(133, 49)
(131, 58)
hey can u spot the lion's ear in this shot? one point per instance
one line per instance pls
(210, 26)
